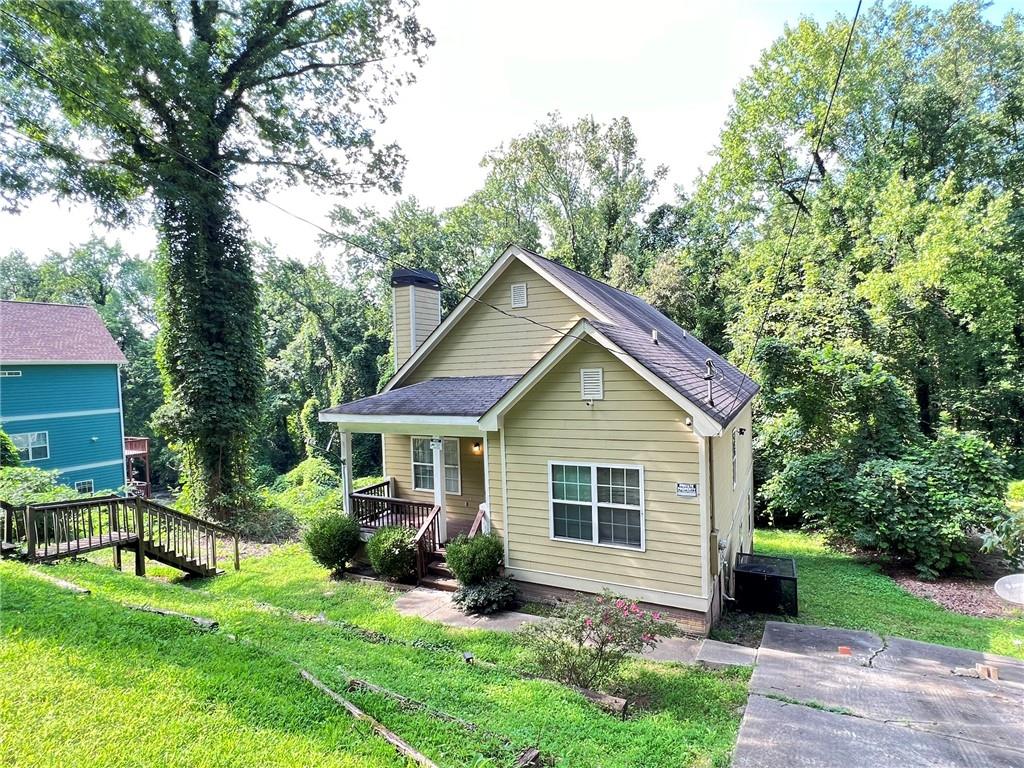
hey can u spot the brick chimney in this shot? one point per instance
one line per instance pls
(415, 310)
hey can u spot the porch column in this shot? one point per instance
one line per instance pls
(437, 446)
(345, 450)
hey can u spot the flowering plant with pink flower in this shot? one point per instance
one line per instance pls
(587, 640)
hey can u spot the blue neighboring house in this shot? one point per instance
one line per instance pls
(60, 392)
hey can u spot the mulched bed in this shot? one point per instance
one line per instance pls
(967, 595)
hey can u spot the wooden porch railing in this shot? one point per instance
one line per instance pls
(426, 542)
(379, 511)
(382, 489)
(478, 520)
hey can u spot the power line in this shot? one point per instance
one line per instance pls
(142, 131)
(800, 208)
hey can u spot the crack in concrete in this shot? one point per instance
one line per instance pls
(874, 654)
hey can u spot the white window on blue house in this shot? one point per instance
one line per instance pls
(84, 486)
(32, 446)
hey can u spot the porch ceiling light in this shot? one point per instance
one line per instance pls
(476, 447)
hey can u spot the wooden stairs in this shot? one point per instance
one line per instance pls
(439, 575)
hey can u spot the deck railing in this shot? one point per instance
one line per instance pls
(379, 511)
(478, 521)
(136, 446)
(426, 542)
(382, 489)
(70, 527)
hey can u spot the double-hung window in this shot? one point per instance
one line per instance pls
(32, 446)
(597, 503)
(423, 465)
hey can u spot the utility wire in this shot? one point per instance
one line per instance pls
(800, 208)
(142, 131)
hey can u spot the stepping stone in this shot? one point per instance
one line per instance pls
(717, 655)
(421, 602)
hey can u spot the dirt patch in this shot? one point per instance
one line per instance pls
(970, 597)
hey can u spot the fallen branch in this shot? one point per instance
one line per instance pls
(528, 758)
(355, 684)
(392, 738)
(61, 583)
(208, 625)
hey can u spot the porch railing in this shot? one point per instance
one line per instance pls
(185, 535)
(79, 526)
(478, 521)
(382, 489)
(426, 542)
(379, 511)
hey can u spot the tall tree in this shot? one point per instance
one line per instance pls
(167, 102)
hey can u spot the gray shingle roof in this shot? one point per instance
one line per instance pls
(677, 359)
(55, 333)
(449, 396)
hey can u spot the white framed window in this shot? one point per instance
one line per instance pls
(735, 441)
(84, 486)
(599, 504)
(592, 383)
(8, 372)
(423, 465)
(32, 446)
(519, 295)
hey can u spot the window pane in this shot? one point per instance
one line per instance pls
(572, 521)
(451, 479)
(21, 442)
(423, 476)
(451, 452)
(602, 475)
(421, 452)
(618, 526)
(570, 483)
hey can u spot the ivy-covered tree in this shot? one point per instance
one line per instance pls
(169, 106)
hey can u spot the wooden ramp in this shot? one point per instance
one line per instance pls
(49, 532)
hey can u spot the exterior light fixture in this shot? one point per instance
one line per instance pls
(476, 447)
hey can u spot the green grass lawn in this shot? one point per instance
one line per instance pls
(837, 590)
(91, 682)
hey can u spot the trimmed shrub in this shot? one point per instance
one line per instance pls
(332, 540)
(487, 597)
(392, 552)
(475, 560)
(586, 641)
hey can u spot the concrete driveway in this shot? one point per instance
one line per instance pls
(891, 702)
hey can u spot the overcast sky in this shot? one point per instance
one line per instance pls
(497, 69)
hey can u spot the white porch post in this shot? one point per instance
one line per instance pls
(345, 449)
(437, 446)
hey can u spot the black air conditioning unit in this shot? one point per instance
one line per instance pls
(765, 584)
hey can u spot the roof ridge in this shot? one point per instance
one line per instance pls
(48, 303)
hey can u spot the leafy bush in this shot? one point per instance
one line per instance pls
(313, 471)
(392, 552)
(1015, 491)
(30, 485)
(9, 456)
(587, 640)
(924, 505)
(487, 597)
(475, 560)
(1006, 534)
(816, 487)
(332, 540)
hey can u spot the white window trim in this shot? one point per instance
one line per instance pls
(735, 456)
(9, 373)
(526, 295)
(34, 432)
(594, 504)
(92, 486)
(457, 464)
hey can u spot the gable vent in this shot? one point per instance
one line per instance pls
(518, 295)
(592, 383)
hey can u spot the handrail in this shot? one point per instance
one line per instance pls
(371, 490)
(78, 502)
(396, 499)
(478, 520)
(430, 524)
(190, 518)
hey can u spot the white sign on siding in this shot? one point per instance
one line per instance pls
(686, 490)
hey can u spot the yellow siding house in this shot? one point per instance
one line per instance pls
(607, 446)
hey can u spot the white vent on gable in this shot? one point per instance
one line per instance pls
(518, 295)
(592, 383)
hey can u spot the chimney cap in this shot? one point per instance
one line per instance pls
(422, 278)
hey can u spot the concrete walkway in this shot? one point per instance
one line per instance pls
(835, 697)
(433, 605)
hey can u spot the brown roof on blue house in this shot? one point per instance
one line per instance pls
(678, 358)
(34, 332)
(446, 396)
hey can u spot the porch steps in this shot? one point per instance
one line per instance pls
(439, 575)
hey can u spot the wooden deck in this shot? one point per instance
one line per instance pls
(88, 544)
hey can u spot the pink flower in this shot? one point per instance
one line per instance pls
(656, 616)
(600, 600)
(619, 603)
(634, 608)
(588, 622)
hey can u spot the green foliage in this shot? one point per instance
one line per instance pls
(9, 456)
(309, 491)
(588, 639)
(312, 471)
(1015, 491)
(815, 488)
(30, 485)
(486, 597)
(392, 552)
(333, 540)
(475, 560)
